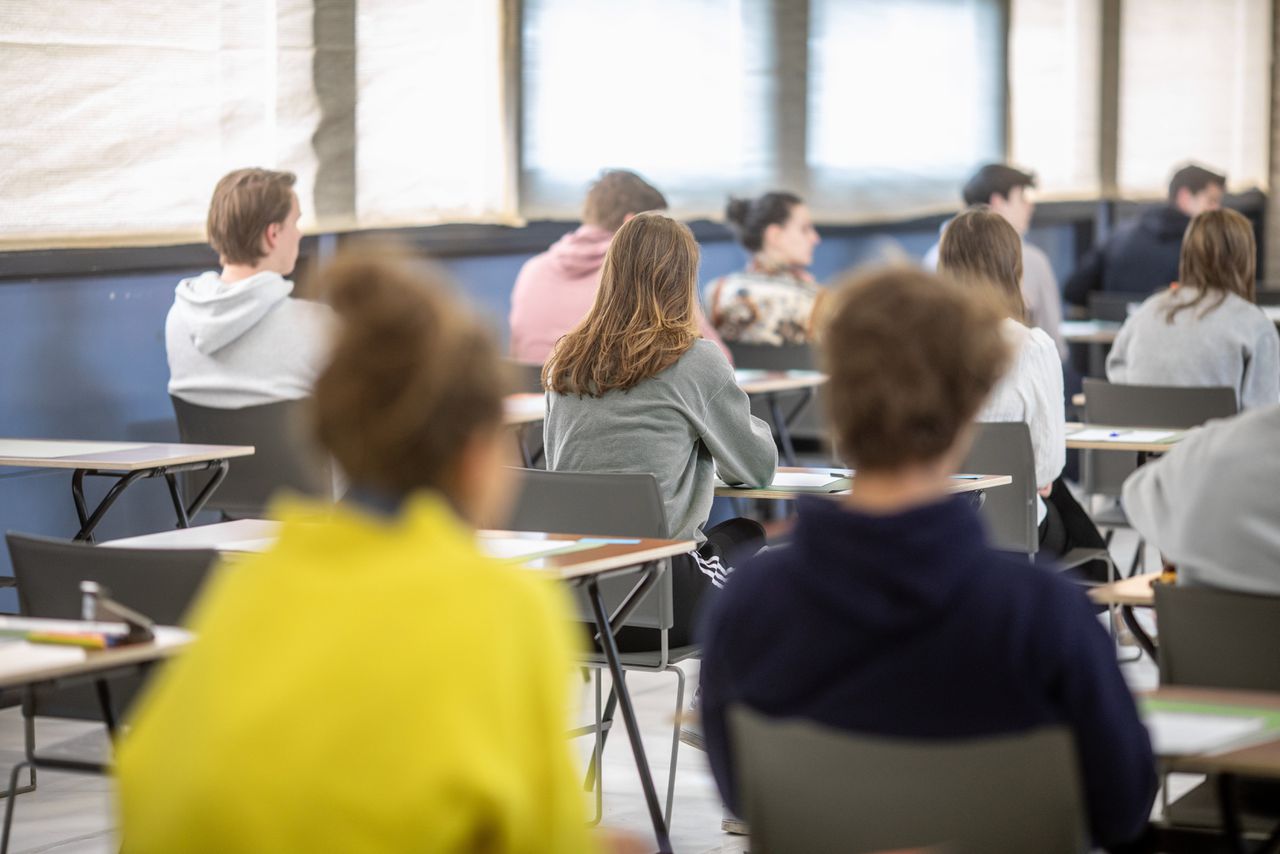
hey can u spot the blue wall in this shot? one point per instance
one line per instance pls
(84, 358)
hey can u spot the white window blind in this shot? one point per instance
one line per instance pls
(120, 117)
(1054, 91)
(1194, 85)
(905, 101)
(672, 89)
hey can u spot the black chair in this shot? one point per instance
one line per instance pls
(160, 583)
(523, 376)
(1110, 306)
(803, 421)
(812, 789)
(765, 357)
(285, 455)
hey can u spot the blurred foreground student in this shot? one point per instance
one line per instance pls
(889, 614)
(237, 338)
(773, 300)
(634, 389)
(374, 682)
(1141, 256)
(1206, 330)
(556, 289)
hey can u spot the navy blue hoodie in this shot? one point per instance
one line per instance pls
(1140, 258)
(910, 625)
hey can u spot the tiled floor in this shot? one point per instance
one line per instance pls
(71, 813)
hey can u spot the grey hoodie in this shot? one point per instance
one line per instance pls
(1210, 506)
(237, 344)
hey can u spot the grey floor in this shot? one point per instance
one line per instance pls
(72, 813)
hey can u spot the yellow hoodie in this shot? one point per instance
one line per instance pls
(367, 685)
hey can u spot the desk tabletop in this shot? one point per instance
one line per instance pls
(110, 456)
(604, 554)
(1134, 592)
(1261, 759)
(1090, 331)
(959, 483)
(1119, 443)
(1272, 312)
(763, 382)
(524, 408)
(24, 663)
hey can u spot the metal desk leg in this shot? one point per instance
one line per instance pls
(610, 648)
(90, 522)
(781, 429)
(219, 475)
(1139, 633)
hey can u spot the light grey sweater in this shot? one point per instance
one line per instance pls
(679, 426)
(1210, 504)
(1233, 345)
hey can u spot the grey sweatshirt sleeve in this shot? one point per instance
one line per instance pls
(1117, 359)
(1260, 385)
(741, 444)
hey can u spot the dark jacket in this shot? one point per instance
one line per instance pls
(1139, 258)
(910, 625)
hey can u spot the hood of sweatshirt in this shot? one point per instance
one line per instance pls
(215, 313)
(886, 573)
(581, 252)
(1165, 223)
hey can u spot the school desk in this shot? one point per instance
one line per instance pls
(583, 562)
(771, 384)
(793, 481)
(127, 462)
(1101, 437)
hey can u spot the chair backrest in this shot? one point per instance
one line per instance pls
(813, 789)
(160, 583)
(1174, 407)
(285, 456)
(1218, 639)
(524, 376)
(1106, 306)
(616, 505)
(1269, 295)
(1008, 511)
(765, 357)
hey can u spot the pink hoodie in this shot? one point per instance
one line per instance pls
(556, 289)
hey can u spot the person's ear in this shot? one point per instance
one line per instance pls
(271, 236)
(626, 218)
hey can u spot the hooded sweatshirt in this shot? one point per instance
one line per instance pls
(1139, 258)
(1209, 505)
(555, 291)
(237, 344)
(910, 625)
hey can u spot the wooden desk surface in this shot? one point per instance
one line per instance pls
(1119, 445)
(524, 408)
(763, 382)
(23, 663)
(112, 456)
(959, 483)
(1135, 592)
(256, 535)
(1258, 760)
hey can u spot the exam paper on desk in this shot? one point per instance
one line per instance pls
(1094, 434)
(1192, 733)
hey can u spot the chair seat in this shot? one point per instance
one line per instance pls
(1079, 557)
(645, 660)
(1113, 517)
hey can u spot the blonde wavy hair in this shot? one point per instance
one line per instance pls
(644, 316)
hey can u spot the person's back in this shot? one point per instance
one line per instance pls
(1209, 505)
(238, 338)
(1207, 331)
(889, 614)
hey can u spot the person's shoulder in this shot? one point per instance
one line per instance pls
(705, 360)
(1034, 255)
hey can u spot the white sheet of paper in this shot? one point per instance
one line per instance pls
(1096, 434)
(786, 479)
(1189, 733)
(517, 548)
(260, 544)
(50, 448)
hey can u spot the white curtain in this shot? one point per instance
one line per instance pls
(1054, 91)
(1194, 86)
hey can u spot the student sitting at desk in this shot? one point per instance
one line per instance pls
(237, 338)
(374, 682)
(981, 249)
(889, 614)
(556, 289)
(1206, 330)
(633, 389)
(1209, 505)
(773, 300)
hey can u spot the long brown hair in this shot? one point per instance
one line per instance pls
(1218, 258)
(413, 374)
(980, 247)
(643, 319)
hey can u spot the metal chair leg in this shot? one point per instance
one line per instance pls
(8, 807)
(675, 740)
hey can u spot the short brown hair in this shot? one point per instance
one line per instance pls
(1194, 179)
(980, 247)
(413, 374)
(643, 319)
(617, 193)
(1219, 257)
(244, 203)
(911, 359)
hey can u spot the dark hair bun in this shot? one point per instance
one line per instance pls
(737, 211)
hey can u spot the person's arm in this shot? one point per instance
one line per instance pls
(714, 632)
(1116, 760)
(1118, 358)
(1046, 409)
(741, 444)
(1086, 279)
(1260, 385)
